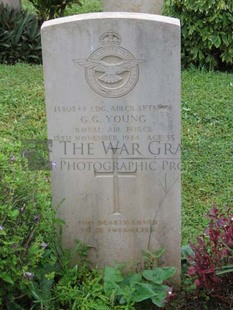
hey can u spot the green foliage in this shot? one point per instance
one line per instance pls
(35, 271)
(138, 287)
(27, 232)
(207, 37)
(86, 7)
(73, 8)
(19, 37)
(81, 288)
(50, 9)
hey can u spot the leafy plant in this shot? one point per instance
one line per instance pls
(207, 39)
(27, 231)
(137, 287)
(35, 271)
(212, 261)
(50, 9)
(19, 37)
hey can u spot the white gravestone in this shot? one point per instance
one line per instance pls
(140, 6)
(14, 3)
(112, 85)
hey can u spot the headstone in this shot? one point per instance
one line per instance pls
(112, 85)
(14, 3)
(140, 6)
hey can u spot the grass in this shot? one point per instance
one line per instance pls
(22, 105)
(207, 167)
(207, 147)
(87, 7)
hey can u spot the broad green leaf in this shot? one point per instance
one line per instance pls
(132, 280)
(112, 277)
(161, 294)
(111, 288)
(113, 274)
(159, 275)
(143, 291)
(159, 300)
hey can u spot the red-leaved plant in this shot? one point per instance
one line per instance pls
(212, 262)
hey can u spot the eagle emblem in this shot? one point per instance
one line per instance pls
(111, 70)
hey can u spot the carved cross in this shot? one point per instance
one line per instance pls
(115, 174)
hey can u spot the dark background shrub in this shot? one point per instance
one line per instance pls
(207, 32)
(19, 37)
(50, 9)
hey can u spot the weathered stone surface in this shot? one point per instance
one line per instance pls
(112, 85)
(138, 6)
(14, 3)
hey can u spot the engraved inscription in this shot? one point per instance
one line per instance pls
(117, 226)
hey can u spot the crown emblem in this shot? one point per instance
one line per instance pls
(110, 38)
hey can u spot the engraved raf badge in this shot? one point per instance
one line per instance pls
(111, 71)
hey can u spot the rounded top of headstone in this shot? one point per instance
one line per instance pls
(111, 15)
